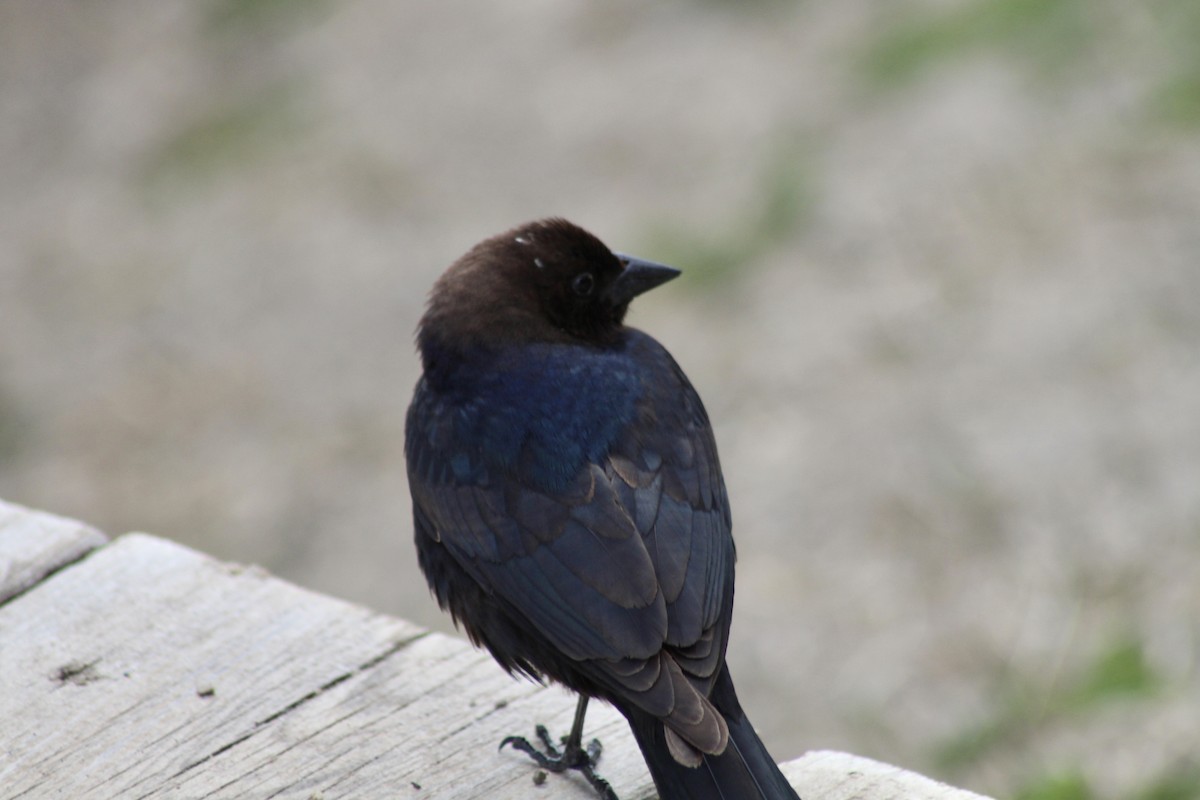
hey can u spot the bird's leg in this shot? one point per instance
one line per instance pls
(573, 755)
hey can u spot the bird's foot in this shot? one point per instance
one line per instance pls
(572, 756)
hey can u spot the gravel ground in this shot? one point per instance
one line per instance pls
(941, 295)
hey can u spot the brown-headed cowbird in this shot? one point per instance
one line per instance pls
(569, 508)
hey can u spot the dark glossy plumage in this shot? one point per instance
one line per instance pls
(568, 501)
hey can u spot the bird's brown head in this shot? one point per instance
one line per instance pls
(544, 281)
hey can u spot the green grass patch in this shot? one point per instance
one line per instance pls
(1177, 100)
(1025, 705)
(226, 137)
(1181, 782)
(1120, 671)
(232, 16)
(1046, 33)
(1176, 29)
(1061, 786)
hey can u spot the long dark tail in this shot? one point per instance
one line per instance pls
(745, 771)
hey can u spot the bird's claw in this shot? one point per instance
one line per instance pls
(572, 756)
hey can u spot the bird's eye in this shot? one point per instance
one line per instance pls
(583, 284)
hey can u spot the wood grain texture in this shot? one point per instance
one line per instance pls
(33, 544)
(148, 670)
(146, 661)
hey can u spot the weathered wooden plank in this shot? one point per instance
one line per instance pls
(33, 544)
(431, 716)
(829, 775)
(142, 662)
(151, 671)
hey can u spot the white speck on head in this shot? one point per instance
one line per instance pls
(537, 262)
(521, 240)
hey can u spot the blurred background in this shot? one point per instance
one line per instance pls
(941, 296)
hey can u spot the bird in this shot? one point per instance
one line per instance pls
(569, 509)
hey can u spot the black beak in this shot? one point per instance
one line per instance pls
(638, 276)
